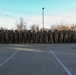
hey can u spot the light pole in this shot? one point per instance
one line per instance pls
(43, 18)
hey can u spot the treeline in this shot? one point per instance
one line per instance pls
(21, 25)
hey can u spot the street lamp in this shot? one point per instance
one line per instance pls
(43, 18)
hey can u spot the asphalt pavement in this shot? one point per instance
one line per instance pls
(37, 59)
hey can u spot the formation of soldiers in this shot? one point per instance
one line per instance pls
(28, 36)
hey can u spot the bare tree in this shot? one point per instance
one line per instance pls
(73, 27)
(62, 27)
(20, 25)
(59, 27)
(34, 27)
(3, 28)
(53, 27)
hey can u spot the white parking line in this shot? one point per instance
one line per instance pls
(65, 68)
(9, 58)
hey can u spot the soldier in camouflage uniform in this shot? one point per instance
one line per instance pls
(0, 37)
(3, 36)
(33, 35)
(20, 37)
(41, 36)
(25, 36)
(66, 37)
(69, 36)
(29, 36)
(37, 37)
(7, 36)
(11, 36)
(50, 36)
(45, 37)
(55, 36)
(74, 36)
(16, 37)
(61, 36)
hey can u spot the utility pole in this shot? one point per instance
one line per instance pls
(43, 18)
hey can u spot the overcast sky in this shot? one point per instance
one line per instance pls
(56, 11)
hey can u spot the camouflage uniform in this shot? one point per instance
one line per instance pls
(29, 36)
(3, 36)
(20, 37)
(37, 37)
(74, 37)
(44, 34)
(16, 37)
(0, 37)
(55, 36)
(45, 37)
(66, 37)
(11, 37)
(50, 36)
(61, 37)
(33, 35)
(7, 37)
(41, 37)
(25, 37)
(69, 36)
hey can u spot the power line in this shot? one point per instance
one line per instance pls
(8, 15)
(18, 17)
(20, 11)
(23, 18)
(38, 13)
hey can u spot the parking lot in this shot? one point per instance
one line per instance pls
(37, 59)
